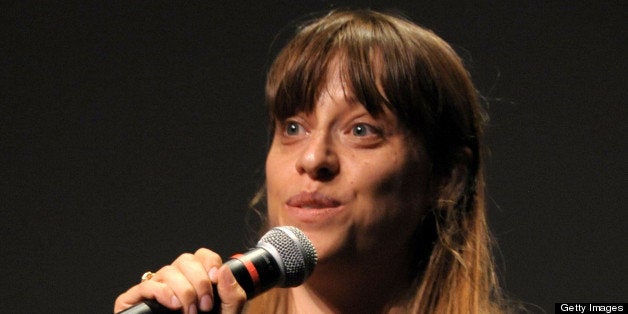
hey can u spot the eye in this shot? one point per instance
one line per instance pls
(362, 130)
(364, 135)
(292, 128)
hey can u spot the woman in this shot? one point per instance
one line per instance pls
(376, 155)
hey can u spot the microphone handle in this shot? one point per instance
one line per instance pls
(154, 307)
(255, 271)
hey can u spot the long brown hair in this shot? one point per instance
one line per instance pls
(424, 82)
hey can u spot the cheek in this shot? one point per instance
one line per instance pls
(414, 182)
(272, 173)
(399, 190)
(276, 168)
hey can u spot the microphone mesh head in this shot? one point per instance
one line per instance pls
(297, 256)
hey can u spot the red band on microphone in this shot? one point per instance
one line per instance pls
(250, 268)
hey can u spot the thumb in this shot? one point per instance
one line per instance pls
(231, 294)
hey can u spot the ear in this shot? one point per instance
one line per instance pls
(452, 181)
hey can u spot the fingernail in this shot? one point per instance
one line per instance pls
(212, 274)
(206, 303)
(228, 278)
(175, 301)
(192, 309)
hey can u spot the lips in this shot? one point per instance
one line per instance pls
(312, 201)
(310, 207)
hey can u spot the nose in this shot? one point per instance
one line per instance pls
(319, 159)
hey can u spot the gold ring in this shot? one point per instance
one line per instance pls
(147, 276)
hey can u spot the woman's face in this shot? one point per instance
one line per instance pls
(354, 183)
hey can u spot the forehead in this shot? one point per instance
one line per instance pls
(336, 83)
(355, 81)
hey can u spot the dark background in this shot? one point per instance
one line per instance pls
(131, 132)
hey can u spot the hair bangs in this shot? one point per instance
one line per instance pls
(300, 72)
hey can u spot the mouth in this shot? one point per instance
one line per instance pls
(312, 207)
(315, 200)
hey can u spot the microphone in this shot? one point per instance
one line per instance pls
(283, 257)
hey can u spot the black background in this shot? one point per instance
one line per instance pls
(131, 132)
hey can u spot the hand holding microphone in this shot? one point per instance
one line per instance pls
(283, 257)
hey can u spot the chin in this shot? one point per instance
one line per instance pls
(330, 245)
(331, 239)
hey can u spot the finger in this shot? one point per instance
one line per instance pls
(208, 258)
(231, 294)
(192, 268)
(178, 282)
(147, 290)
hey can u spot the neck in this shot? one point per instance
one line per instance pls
(372, 284)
